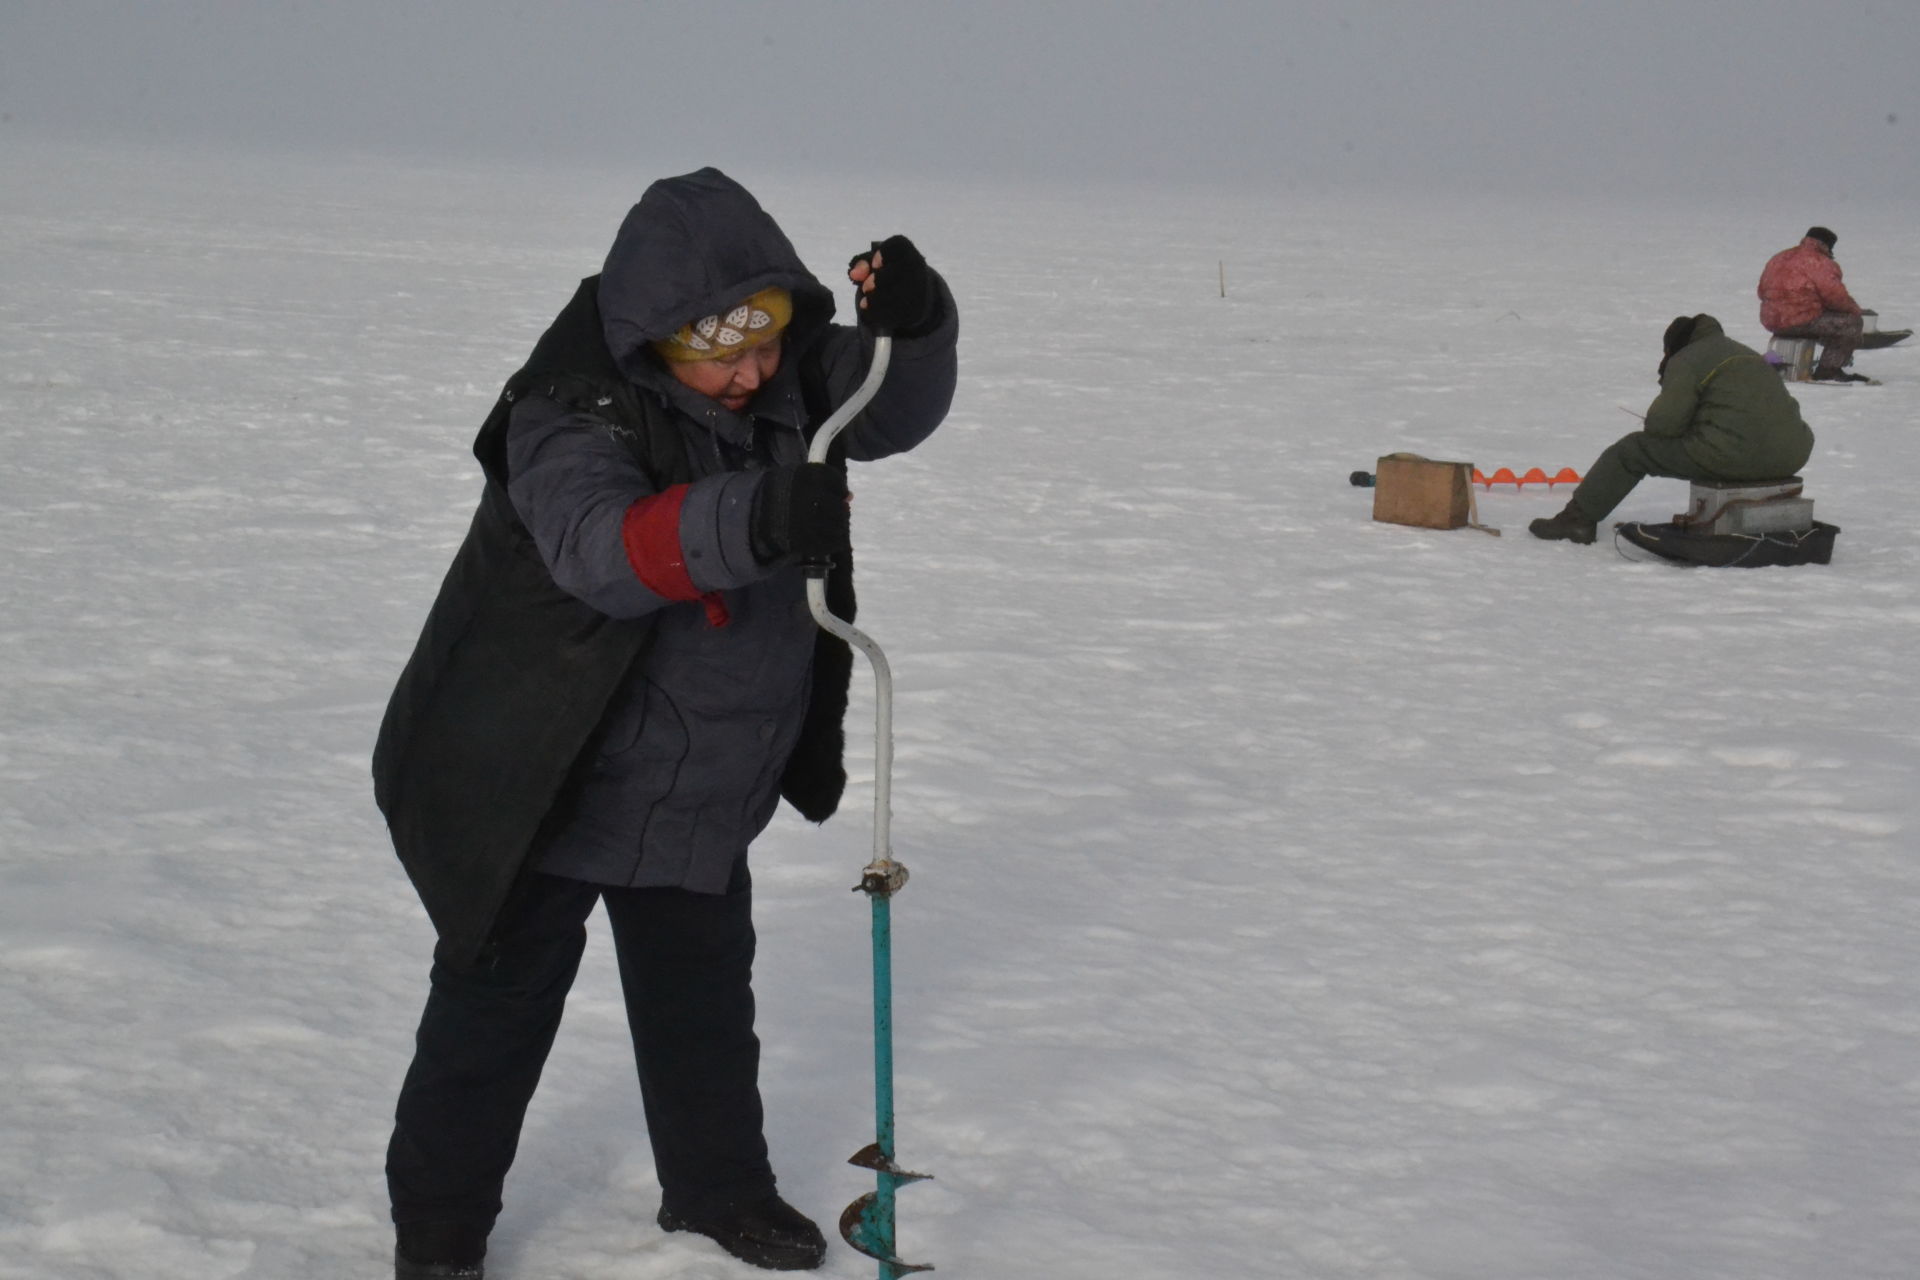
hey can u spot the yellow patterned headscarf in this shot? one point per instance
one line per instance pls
(759, 319)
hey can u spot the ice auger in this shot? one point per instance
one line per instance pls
(868, 1223)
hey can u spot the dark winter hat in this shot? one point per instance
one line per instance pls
(1678, 334)
(1823, 235)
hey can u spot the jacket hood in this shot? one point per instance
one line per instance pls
(1705, 326)
(694, 246)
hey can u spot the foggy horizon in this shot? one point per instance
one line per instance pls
(1631, 98)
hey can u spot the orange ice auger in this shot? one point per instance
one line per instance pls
(1534, 475)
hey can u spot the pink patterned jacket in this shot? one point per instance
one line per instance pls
(1799, 284)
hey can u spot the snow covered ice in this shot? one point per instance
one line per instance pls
(1292, 895)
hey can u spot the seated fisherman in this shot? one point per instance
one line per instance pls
(1802, 295)
(1722, 414)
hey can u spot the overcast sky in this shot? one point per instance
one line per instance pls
(1607, 95)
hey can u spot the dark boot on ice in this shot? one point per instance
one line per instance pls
(1568, 526)
(1839, 375)
(769, 1233)
(439, 1251)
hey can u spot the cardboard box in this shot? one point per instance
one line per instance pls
(1409, 489)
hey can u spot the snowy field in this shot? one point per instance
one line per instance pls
(1293, 896)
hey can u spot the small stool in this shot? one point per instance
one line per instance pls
(1747, 507)
(1793, 357)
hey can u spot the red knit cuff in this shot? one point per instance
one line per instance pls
(651, 533)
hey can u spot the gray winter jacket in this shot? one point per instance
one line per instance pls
(691, 749)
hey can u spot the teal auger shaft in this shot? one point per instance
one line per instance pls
(883, 1220)
(868, 1224)
(883, 1024)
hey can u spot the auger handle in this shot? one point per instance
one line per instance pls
(876, 373)
(817, 603)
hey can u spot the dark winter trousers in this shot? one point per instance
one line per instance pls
(1621, 465)
(686, 963)
(1838, 333)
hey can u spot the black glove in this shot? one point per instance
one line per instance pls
(904, 300)
(800, 512)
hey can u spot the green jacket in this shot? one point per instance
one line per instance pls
(1730, 409)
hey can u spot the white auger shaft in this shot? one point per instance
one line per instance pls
(817, 602)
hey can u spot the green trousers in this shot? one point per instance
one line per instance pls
(1621, 465)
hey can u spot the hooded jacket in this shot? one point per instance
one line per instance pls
(1800, 284)
(1730, 408)
(609, 685)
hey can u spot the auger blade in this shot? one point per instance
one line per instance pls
(862, 1227)
(871, 1157)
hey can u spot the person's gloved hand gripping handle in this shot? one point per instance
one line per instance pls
(800, 513)
(896, 289)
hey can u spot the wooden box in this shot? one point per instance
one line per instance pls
(1419, 491)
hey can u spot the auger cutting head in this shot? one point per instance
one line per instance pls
(867, 1224)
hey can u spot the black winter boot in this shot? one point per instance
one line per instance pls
(769, 1233)
(439, 1251)
(1568, 526)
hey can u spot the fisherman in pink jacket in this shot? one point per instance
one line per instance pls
(1802, 296)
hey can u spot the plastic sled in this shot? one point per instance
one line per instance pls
(1730, 550)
